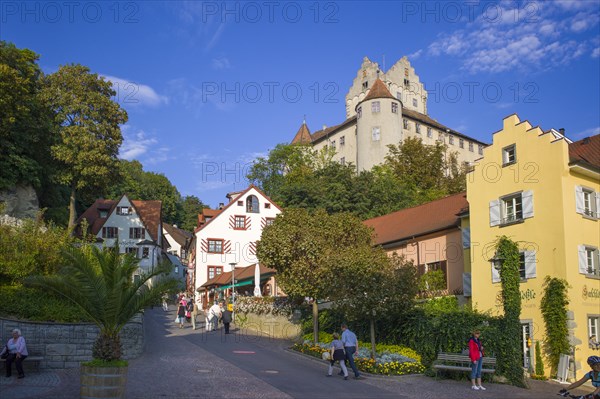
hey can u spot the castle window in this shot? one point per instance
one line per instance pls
(376, 133)
(365, 85)
(375, 107)
(333, 144)
(343, 160)
(451, 140)
(429, 132)
(342, 140)
(509, 155)
(461, 143)
(414, 102)
(399, 95)
(418, 128)
(358, 112)
(441, 137)
(406, 83)
(252, 204)
(394, 108)
(480, 149)
(405, 123)
(470, 146)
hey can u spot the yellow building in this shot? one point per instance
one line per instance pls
(543, 191)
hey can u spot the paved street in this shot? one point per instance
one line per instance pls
(182, 363)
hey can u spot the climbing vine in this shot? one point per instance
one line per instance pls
(539, 362)
(554, 311)
(509, 360)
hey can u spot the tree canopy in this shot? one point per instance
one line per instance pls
(87, 124)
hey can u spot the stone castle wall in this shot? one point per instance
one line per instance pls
(65, 345)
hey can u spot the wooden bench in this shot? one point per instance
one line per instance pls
(460, 362)
(33, 358)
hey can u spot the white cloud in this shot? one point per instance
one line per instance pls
(220, 63)
(200, 26)
(136, 144)
(596, 52)
(415, 55)
(587, 133)
(544, 36)
(135, 94)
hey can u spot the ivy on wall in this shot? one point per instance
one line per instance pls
(554, 311)
(509, 356)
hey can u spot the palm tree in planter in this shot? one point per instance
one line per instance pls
(101, 283)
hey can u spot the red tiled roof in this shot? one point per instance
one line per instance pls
(586, 151)
(241, 273)
(379, 90)
(303, 135)
(179, 235)
(427, 218)
(149, 211)
(432, 122)
(319, 134)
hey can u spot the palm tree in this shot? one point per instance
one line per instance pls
(101, 283)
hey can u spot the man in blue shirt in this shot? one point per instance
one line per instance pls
(351, 347)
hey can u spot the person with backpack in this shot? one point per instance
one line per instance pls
(181, 313)
(593, 375)
(476, 356)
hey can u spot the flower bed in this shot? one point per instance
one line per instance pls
(389, 359)
(276, 306)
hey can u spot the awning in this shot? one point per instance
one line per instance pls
(247, 282)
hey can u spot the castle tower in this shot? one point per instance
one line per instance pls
(378, 124)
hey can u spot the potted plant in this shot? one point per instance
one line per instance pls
(101, 283)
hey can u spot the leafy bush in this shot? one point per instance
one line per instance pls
(33, 304)
(440, 305)
(554, 306)
(539, 363)
(276, 306)
(434, 280)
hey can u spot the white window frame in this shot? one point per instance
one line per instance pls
(394, 108)
(512, 209)
(375, 107)
(376, 133)
(471, 146)
(509, 155)
(593, 325)
(502, 215)
(527, 267)
(124, 210)
(451, 140)
(480, 149)
(587, 202)
(589, 260)
(405, 124)
(429, 132)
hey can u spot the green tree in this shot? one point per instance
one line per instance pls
(507, 252)
(24, 122)
(539, 362)
(87, 124)
(554, 307)
(432, 169)
(101, 283)
(191, 207)
(368, 285)
(301, 245)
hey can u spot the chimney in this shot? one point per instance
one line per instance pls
(221, 205)
(562, 131)
(324, 127)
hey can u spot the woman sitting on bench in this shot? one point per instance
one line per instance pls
(17, 352)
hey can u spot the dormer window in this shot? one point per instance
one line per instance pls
(124, 210)
(103, 214)
(252, 205)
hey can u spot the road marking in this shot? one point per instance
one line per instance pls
(204, 371)
(245, 352)
(271, 371)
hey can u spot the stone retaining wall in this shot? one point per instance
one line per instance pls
(271, 326)
(65, 345)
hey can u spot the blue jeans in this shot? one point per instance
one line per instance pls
(476, 368)
(350, 350)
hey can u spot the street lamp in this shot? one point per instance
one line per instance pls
(497, 261)
(233, 265)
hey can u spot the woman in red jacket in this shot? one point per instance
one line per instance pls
(476, 355)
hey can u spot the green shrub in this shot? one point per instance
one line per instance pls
(539, 363)
(32, 304)
(443, 304)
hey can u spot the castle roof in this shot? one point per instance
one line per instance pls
(379, 90)
(303, 135)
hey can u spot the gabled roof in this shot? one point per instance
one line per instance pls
(303, 135)
(379, 90)
(179, 235)
(220, 211)
(241, 273)
(206, 215)
(586, 151)
(423, 219)
(150, 212)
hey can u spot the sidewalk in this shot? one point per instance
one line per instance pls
(175, 365)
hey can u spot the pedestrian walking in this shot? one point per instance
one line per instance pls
(17, 352)
(195, 313)
(165, 304)
(226, 318)
(337, 354)
(351, 347)
(476, 355)
(181, 313)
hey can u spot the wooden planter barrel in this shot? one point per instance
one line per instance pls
(103, 382)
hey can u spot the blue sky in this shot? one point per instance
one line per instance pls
(209, 86)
